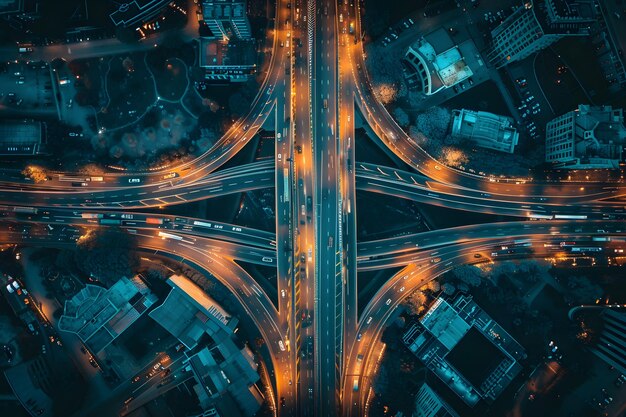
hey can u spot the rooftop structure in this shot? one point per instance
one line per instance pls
(537, 25)
(227, 18)
(137, 11)
(486, 130)
(429, 404)
(434, 63)
(611, 346)
(98, 316)
(10, 6)
(188, 312)
(589, 137)
(464, 347)
(227, 60)
(224, 374)
(20, 137)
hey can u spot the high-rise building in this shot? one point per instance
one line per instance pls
(429, 404)
(588, 137)
(537, 25)
(227, 18)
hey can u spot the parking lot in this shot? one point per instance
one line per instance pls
(26, 88)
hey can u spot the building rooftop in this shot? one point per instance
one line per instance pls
(10, 6)
(98, 315)
(20, 137)
(188, 313)
(235, 53)
(487, 130)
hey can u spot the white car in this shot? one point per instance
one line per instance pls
(282, 293)
(369, 320)
(388, 301)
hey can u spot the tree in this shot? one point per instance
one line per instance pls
(401, 117)
(448, 288)
(580, 290)
(35, 173)
(469, 274)
(126, 35)
(106, 255)
(415, 302)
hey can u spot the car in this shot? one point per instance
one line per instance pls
(388, 301)
(281, 345)
(455, 88)
(477, 255)
(282, 293)
(470, 81)
(310, 392)
(369, 320)
(462, 86)
(82, 349)
(358, 337)
(282, 401)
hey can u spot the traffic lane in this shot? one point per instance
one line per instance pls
(434, 238)
(141, 199)
(550, 192)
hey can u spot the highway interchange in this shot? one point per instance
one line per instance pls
(315, 83)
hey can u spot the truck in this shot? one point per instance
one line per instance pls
(285, 185)
(153, 220)
(91, 215)
(27, 210)
(355, 384)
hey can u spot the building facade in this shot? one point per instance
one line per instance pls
(429, 404)
(227, 18)
(611, 346)
(228, 61)
(588, 137)
(486, 130)
(537, 25)
(434, 62)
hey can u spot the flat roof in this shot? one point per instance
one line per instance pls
(444, 323)
(20, 137)
(475, 357)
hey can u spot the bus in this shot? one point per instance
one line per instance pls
(285, 185)
(164, 235)
(27, 210)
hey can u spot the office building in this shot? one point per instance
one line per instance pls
(611, 346)
(20, 138)
(473, 355)
(227, 18)
(588, 137)
(486, 130)
(224, 374)
(137, 11)
(434, 62)
(231, 61)
(98, 316)
(537, 25)
(429, 404)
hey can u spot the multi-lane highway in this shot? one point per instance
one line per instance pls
(322, 352)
